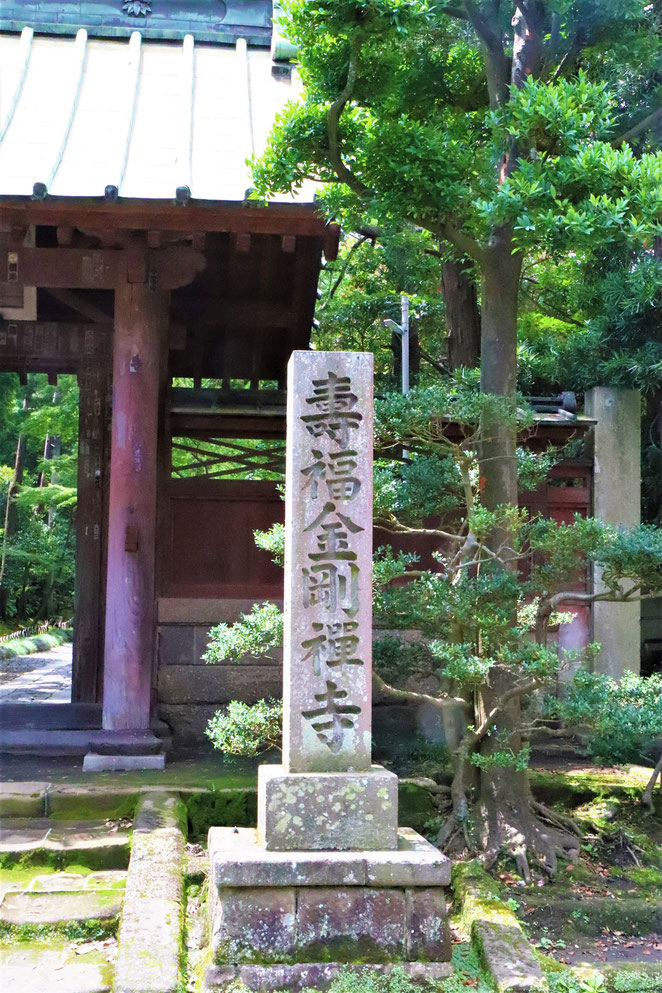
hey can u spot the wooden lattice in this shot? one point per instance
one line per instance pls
(216, 458)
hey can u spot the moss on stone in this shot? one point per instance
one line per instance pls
(96, 929)
(88, 860)
(647, 878)
(347, 950)
(221, 808)
(415, 806)
(91, 805)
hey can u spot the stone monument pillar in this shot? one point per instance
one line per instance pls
(328, 879)
(326, 795)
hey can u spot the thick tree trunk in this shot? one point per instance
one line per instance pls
(506, 814)
(498, 371)
(462, 316)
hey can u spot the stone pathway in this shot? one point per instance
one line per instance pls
(44, 677)
(58, 927)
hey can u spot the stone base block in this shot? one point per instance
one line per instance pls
(287, 925)
(317, 976)
(93, 762)
(237, 859)
(283, 908)
(327, 811)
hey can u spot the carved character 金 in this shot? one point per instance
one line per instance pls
(330, 508)
(332, 719)
(335, 648)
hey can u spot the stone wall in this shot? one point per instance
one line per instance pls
(189, 691)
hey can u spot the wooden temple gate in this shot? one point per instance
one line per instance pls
(227, 306)
(131, 254)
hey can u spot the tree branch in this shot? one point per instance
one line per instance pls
(644, 124)
(647, 798)
(432, 532)
(343, 271)
(333, 119)
(496, 64)
(388, 692)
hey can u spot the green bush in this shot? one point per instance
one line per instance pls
(245, 729)
(624, 719)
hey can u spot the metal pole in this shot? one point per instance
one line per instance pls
(404, 341)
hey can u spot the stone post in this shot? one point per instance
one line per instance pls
(327, 881)
(616, 500)
(327, 696)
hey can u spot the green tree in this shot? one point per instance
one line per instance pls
(38, 444)
(498, 128)
(489, 611)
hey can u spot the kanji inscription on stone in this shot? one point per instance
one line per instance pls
(328, 563)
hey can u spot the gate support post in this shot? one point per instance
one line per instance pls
(617, 501)
(141, 320)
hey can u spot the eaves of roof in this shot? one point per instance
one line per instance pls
(95, 118)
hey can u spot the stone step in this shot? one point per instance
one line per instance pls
(53, 742)
(33, 969)
(35, 880)
(41, 841)
(68, 882)
(628, 915)
(28, 907)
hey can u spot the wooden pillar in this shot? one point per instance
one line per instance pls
(141, 320)
(88, 598)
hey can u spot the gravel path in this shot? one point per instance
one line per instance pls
(44, 677)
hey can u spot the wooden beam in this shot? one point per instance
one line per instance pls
(88, 599)
(296, 219)
(264, 314)
(75, 301)
(39, 346)
(105, 268)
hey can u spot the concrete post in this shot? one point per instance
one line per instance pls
(616, 500)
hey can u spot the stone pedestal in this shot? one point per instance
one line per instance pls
(616, 500)
(338, 811)
(279, 918)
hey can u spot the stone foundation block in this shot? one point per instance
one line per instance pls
(427, 934)
(327, 811)
(238, 860)
(265, 979)
(252, 924)
(335, 924)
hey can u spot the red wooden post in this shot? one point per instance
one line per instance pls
(141, 321)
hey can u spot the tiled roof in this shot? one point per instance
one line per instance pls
(135, 119)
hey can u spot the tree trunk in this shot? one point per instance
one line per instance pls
(498, 371)
(462, 315)
(506, 813)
